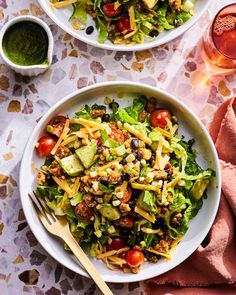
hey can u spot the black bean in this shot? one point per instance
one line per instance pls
(126, 176)
(134, 143)
(154, 33)
(49, 179)
(152, 159)
(89, 30)
(135, 193)
(145, 252)
(139, 155)
(106, 118)
(159, 222)
(123, 162)
(104, 181)
(113, 105)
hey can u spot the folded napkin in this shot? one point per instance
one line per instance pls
(214, 262)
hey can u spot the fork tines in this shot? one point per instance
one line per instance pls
(42, 207)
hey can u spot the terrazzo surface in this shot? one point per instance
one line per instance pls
(25, 268)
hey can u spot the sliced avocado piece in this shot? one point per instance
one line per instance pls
(198, 189)
(71, 165)
(110, 212)
(86, 154)
(150, 3)
(146, 201)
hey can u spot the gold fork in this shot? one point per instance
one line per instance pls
(58, 226)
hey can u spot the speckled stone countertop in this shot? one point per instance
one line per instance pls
(25, 268)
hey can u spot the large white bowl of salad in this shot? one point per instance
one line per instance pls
(125, 25)
(134, 172)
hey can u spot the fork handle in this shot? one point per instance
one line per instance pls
(87, 264)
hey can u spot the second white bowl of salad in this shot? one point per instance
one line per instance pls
(125, 25)
(133, 170)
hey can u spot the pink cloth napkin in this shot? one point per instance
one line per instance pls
(211, 269)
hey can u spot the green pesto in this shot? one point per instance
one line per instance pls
(26, 43)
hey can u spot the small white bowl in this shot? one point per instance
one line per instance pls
(32, 70)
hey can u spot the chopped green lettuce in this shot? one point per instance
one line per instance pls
(76, 199)
(79, 11)
(84, 112)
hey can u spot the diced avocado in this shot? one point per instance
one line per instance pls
(71, 165)
(146, 201)
(198, 189)
(86, 154)
(118, 151)
(110, 212)
(150, 3)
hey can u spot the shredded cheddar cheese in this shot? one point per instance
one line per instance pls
(64, 3)
(88, 123)
(137, 133)
(149, 187)
(63, 185)
(164, 132)
(132, 18)
(66, 129)
(147, 230)
(144, 214)
(109, 165)
(167, 256)
(69, 140)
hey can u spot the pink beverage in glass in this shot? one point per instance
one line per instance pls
(220, 41)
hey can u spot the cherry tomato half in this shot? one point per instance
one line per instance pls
(109, 9)
(158, 118)
(134, 257)
(123, 25)
(44, 145)
(127, 195)
(116, 244)
(56, 125)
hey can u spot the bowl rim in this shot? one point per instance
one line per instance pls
(138, 47)
(114, 84)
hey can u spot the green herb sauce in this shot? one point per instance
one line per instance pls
(26, 43)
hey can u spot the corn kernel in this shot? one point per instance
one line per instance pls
(93, 174)
(116, 203)
(143, 162)
(130, 158)
(120, 194)
(147, 154)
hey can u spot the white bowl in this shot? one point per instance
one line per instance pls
(32, 70)
(61, 18)
(190, 126)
